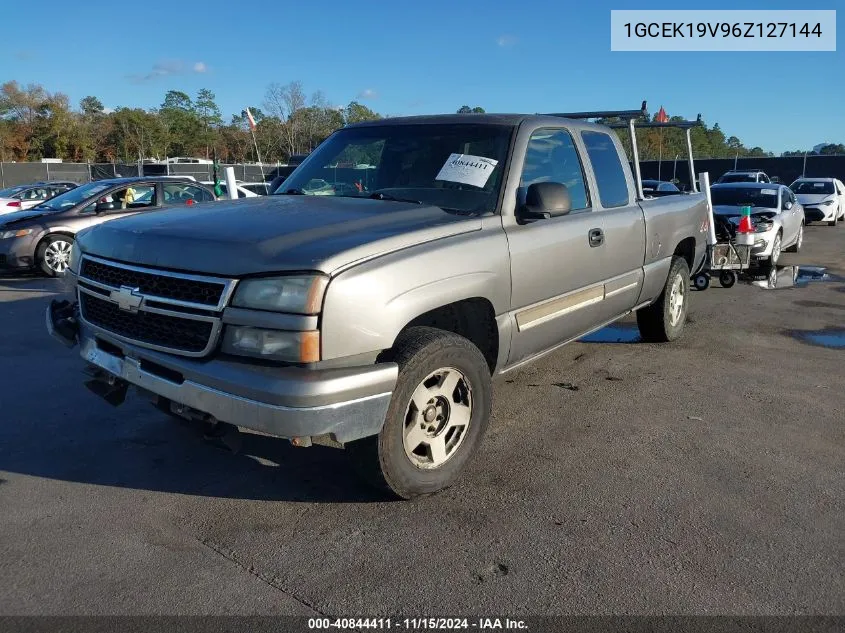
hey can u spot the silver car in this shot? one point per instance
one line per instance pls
(777, 216)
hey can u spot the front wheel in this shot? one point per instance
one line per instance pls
(832, 222)
(701, 281)
(437, 416)
(53, 255)
(777, 244)
(727, 278)
(663, 320)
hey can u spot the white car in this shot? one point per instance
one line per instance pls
(776, 215)
(243, 192)
(823, 199)
(22, 197)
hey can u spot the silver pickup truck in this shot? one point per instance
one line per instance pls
(405, 264)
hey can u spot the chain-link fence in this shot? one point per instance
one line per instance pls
(12, 174)
(787, 169)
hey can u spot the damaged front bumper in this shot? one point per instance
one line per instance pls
(340, 404)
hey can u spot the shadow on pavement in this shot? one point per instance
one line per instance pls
(51, 426)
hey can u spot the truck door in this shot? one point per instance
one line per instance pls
(556, 263)
(623, 222)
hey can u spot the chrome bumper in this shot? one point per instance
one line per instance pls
(345, 404)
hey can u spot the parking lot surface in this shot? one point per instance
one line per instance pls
(699, 477)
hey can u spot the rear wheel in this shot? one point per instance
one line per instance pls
(664, 320)
(701, 281)
(436, 419)
(53, 255)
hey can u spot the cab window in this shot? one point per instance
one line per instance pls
(607, 167)
(551, 157)
(175, 193)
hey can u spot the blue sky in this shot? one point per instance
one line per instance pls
(423, 57)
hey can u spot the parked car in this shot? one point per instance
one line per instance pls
(258, 188)
(776, 215)
(823, 199)
(375, 320)
(22, 197)
(42, 237)
(659, 188)
(743, 175)
(243, 192)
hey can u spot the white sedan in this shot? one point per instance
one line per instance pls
(823, 199)
(243, 192)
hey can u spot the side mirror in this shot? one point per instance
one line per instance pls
(545, 200)
(102, 206)
(787, 205)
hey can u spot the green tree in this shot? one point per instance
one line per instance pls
(183, 125)
(356, 112)
(91, 106)
(831, 148)
(465, 109)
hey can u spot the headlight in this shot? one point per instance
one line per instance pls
(294, 347)
(827, 203)
(762, 227)
(300, 294)
(5, 235)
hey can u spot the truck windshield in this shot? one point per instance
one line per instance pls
(454, 166)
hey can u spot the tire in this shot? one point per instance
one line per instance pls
(701, 281)
(663, 321)
(833, 221)
(777, 247)
(427, 359)
(727, 278)
(53, 254)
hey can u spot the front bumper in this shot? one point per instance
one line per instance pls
(17, 254)
(820, 214)
(344, 404)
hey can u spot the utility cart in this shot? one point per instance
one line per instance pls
(725, 257)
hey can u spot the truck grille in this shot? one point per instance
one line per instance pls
(174, 333)
(152, 308)
(164, 286)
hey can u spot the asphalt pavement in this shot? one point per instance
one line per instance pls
(699, 477)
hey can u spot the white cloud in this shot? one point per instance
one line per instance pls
(108, 110)
(506, 40)
(168, 67)
(368, 93)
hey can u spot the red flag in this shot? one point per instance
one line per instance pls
(662, 117)
(252, 121)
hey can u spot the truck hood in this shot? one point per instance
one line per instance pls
(270, 234)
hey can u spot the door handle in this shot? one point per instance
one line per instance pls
(596, 237)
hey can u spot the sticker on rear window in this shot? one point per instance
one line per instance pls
(819, 184)
(769, 192)
(467, 169)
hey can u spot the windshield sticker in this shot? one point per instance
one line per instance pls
(769, 192)
(467, 169)
(819, 184)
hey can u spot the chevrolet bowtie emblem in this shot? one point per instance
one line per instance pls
(127, 298)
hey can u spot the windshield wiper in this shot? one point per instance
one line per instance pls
(377, 195)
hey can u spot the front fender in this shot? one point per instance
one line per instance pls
(367, 306)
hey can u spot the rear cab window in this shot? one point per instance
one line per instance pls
(607, 168)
